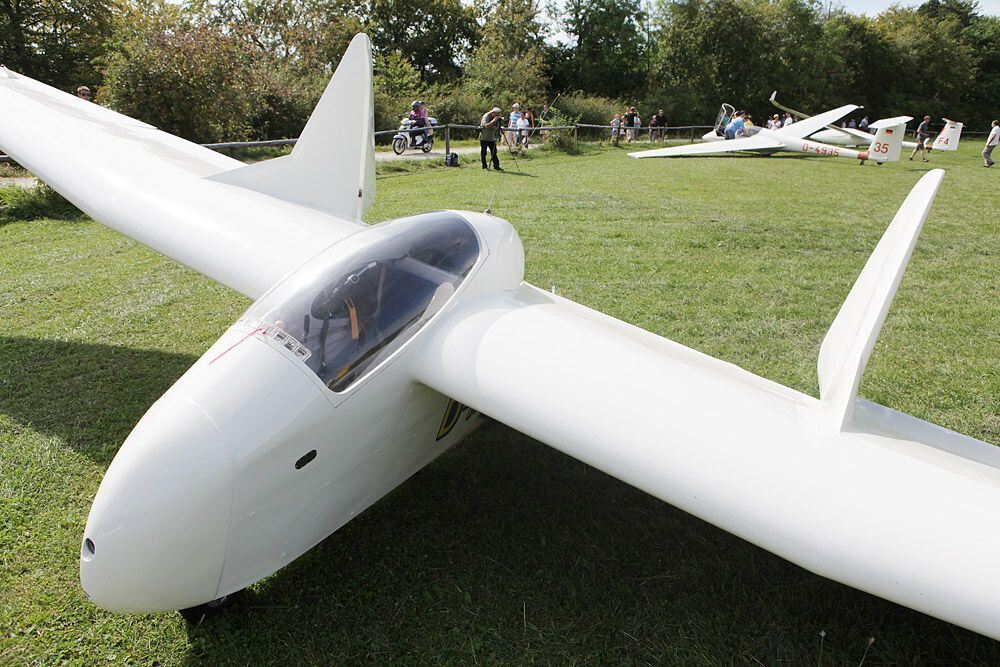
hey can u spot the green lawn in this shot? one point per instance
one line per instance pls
(504, 550)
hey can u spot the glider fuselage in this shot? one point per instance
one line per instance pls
(811, 146)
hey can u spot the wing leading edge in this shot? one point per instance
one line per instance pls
(161, 190)
(879, 505)
(755, 143)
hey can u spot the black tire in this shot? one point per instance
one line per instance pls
(197, 614)
(427, 145)
(398, 145)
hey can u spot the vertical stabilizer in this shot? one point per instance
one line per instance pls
(849, 342)
(950, 134)
(888, 141)
(332, 167)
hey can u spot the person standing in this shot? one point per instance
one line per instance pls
(489, 132)
(83, 93)
(515, 116)
(788, 120)
(629, 119)
(991, 143)
(653, 125)
(616, 126)
(923, 134)
(661, 124)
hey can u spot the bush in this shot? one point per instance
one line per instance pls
(197, 83)
(562, 140)
(589, 109)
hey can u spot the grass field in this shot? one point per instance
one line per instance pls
(505, 551)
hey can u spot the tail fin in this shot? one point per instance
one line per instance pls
(332, 166)
(888, 142)
(849, 342)
(950, 134)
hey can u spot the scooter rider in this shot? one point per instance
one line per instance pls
(418, 116)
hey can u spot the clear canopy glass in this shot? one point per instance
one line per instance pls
(344, 318)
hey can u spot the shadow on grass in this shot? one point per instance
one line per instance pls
(507, 551)
(501, 551)
(18, 204)
(90, 396)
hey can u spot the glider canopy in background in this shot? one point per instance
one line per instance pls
(369, 348)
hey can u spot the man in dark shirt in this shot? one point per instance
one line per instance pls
(661, 123)
(629, 124)
(923, 134)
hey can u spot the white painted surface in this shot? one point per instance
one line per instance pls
(205, 497)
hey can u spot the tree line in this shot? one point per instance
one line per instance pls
(214, 70)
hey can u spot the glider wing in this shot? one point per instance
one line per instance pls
(879, 505)
(803, 128)
(166, 192)
(862, 136)
(754, 143)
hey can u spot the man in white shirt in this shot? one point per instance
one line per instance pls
(515, 115)
(991, 143)
(788, 120)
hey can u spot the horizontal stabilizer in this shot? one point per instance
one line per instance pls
(849, 342)
(332, 167)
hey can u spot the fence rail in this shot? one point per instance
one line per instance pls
(448, 127)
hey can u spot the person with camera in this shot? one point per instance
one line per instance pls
(489, 132)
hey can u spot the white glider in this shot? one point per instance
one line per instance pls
(946, 140)
(884, 147)
(369, 347)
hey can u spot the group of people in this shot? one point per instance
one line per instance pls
(629, 125)
(517, 133)
(742, 125)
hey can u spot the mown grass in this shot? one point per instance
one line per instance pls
(504, 551)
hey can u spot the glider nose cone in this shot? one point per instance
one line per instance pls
(157, 533)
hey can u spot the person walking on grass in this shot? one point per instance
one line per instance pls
(923, 134)
(489, 132)
(991, 143)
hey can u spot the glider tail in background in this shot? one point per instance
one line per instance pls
(950, 134)
(888, 141)
(332, 167)
(849, 342)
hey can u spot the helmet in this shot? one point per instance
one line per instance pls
(420, 102)
(414, 104)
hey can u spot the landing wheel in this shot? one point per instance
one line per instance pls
(195, 615)
(427, 145)
(398, 145)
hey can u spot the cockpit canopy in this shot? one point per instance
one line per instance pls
(345, 317)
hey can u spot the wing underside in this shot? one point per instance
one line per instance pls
(746, 144)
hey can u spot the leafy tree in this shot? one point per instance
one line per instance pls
(303, 35)
(56, 41)
(608, 53)
(194, 81)
(979, 101)
(937, 67)
(510, 63)
(436, 36)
